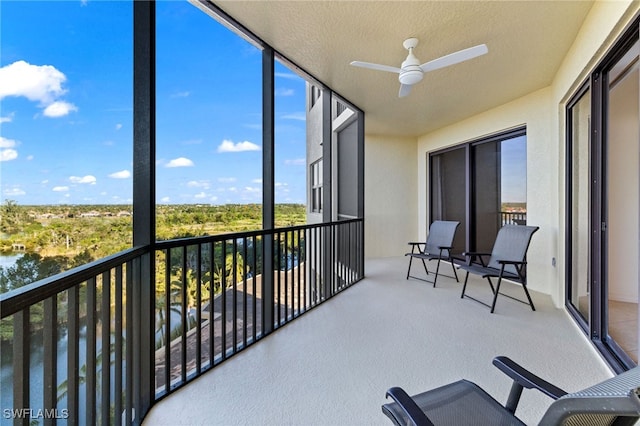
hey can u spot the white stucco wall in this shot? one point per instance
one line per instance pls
(390, 201)
(389, 166)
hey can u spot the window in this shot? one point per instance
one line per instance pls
(346, 158)
(481, 184)
(316, 187)
(315, 95)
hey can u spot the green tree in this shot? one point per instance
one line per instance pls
(28, 269)
(12, 217)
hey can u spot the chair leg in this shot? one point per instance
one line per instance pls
(524, 286)
(436, 277)
(464, 286)
(425, 267)
(493, 290)
(409, 270)
(455, 274)
(495, 295)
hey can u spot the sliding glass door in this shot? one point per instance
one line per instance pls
(603, 204)
(622, 190)
(578, 221)
(481, 184)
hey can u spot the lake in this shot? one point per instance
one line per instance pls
(7, 261)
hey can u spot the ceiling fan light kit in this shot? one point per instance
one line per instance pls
(411, 72)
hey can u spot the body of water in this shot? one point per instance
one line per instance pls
(9, 260)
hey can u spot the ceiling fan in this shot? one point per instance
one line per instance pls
(411, 72)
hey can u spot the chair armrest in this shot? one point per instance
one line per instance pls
(471, 254)
(475, 254)
(524, 378)
(445, 247)
(512, 262)
(408, 405)
(413, 243)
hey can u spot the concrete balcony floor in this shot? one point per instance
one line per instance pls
(333, 365)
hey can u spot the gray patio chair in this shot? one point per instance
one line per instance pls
(508, 260)
(437, 247)
(615, 401)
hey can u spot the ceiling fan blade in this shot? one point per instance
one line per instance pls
(405, 89)
(454, 58)
(376, 67)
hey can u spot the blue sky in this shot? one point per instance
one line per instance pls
(514, 170)
(66, 108)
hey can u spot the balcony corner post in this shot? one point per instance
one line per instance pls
(144, 177)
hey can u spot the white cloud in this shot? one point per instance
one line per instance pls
(60, 188)
(7, 143)
(12, 192)
(251, 189)
(122, 174)
(200, 195)
(8, 154)
(8, 118)
(180, 162)
(165, 199)
(288, 75)
(198, 184)
(7, 151)
(300, 116)
(41, 83)
(29, 157)
(118, 126)
(285, 92)
(38, 83)
(230, 146)
(44, 182)
(227, 179)
(59, 109)
(85, 179)
(183, 94)
(296, 162)
(256, 181)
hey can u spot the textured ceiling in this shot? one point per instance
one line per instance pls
(527, 42)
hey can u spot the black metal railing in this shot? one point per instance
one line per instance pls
(101, 343)
(83, 329)
(513, 218)
(224, 294)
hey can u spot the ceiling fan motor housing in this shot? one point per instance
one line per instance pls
(410, 75)
(410, 71)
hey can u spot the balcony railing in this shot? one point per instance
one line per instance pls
(99, 345)
(513, 218)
